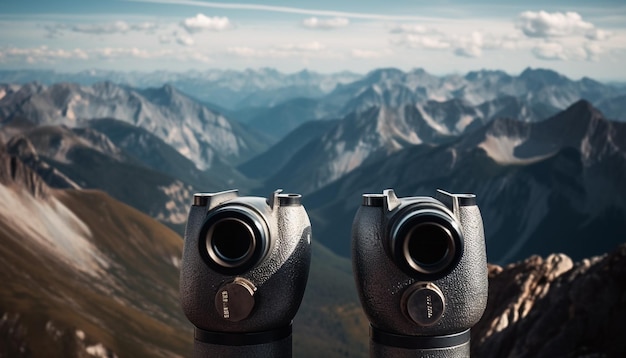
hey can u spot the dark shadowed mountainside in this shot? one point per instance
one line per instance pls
(542, 187)
(269, 162)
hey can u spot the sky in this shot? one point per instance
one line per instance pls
(575, 38)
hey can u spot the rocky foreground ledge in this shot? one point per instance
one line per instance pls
(554, 307)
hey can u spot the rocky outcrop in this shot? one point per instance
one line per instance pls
(26, 333)
(553, 307)
(22, 148)
(13, 172)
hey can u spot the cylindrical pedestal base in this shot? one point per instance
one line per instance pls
(276, 344)
(388, 345)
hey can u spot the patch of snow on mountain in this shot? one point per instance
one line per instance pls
(348, 159)
(502, 149)
(432, 123)
(463, 122)
(75, 101)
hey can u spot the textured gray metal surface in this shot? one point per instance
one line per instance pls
(280, 277)
(381, 283)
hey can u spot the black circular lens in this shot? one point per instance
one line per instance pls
(425, 240)
(429, 244)
(232, 239)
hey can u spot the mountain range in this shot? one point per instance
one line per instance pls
(195, 131)
(93, 277)
(542, 187)
(90, 276)
(547, 165)
(152, 148)
(226, 89)
(533, 95)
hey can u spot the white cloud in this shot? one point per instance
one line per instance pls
(200, 22)
(110, 28)
(468, 51)
(181, 38)
(567, 52)
(308, 47)
(325, 24)
(147, 27)
(593, 51)
(281, 51)
(243, 51)
(41, 54)
(184, 39)
(134, 52)
(165, 39)
(410, 29)
(117, 27)
(470, 46)
(573, 32)
(544, 24)
(549, 51)
(436, 42)
(365, 54)
(597, 34)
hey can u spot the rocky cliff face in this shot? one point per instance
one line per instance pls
(554, 307)
(194, 130)
(14, 173)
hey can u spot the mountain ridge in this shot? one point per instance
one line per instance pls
(564, 184)
(85, 273)
(194, 130)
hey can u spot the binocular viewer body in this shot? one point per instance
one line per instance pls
(244, 269)
(420, 269)
(419, 265)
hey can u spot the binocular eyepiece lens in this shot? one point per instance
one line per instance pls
(426, 241)
(427, 245)
(232, 240)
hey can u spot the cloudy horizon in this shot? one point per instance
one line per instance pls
(571, 38)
